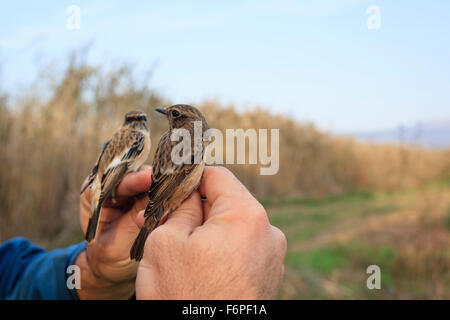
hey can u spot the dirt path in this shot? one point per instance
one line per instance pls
(386, 225)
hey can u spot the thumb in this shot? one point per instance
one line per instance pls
(188, 216)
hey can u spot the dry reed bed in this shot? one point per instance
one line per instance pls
(48, 146)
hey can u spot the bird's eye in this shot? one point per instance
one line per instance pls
(175, 113)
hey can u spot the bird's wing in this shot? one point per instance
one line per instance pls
(166, 175)
(136, 145)
(94, 171)
(112, 179)
(127, 148)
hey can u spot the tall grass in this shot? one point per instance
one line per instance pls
(49, 143)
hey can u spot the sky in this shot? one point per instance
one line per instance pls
(312, 60)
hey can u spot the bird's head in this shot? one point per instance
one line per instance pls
(183, 116)
(136, 119)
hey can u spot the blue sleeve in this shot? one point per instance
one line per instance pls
(29, 272)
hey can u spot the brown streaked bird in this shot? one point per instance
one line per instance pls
(172, 181)
(125, 152)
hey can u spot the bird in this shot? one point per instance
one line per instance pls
(173, 181)
(125, 152)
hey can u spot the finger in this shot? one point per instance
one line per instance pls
(220, 182)
(188, 216)
(138, 206)
(223, 190)
(127, 197)
(132, 187)
(206, 209)
(135, 182)
(279, 248)
(140, 219)
(132, 184)
(280, 242)
(106, 217)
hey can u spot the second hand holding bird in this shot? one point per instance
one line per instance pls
(106, 269)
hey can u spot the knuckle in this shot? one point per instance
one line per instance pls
(281, 239)
(255, 217)
(257, 212)
(164, 237)
(158, 235)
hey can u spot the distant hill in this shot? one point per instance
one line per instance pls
(433, 134)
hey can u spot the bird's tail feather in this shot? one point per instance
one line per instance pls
(137, 250)
(93, 224)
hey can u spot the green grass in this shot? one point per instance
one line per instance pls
(447, 219)
(314, 202)
(326, 260)
(337, 256)
(320, 217)
(349, 263)
(304, 234)
(322, 266)
(439, 184)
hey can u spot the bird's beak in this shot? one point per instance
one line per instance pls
(161, 111)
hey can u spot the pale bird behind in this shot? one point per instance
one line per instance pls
(127, 150)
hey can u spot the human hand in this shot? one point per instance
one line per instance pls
(106, 269)
(221, 248)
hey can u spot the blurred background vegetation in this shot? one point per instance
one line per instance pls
(343, 204)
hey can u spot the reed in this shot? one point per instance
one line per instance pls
(49, 143)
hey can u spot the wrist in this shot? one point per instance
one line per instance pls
(95, 287)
